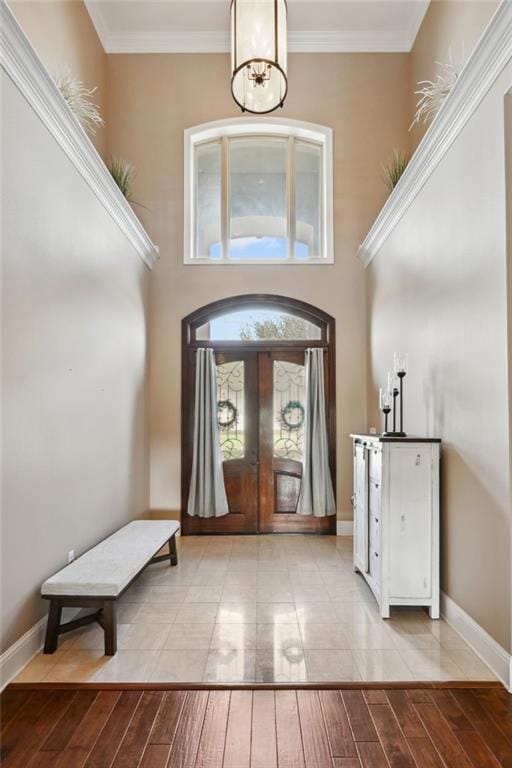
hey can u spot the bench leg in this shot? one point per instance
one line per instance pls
(173, 552)
(110, 627)
(52, 628)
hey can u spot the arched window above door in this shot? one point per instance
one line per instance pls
(258, 192)
(255, 324)
(259, 319)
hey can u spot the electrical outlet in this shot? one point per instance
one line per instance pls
(372, 431)
(71, 555)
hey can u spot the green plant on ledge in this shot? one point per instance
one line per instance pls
(392, 172)
(123, 174)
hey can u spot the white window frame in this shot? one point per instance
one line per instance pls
(221, 130)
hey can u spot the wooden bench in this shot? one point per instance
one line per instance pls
(100, 576)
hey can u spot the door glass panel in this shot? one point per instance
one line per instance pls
(230, 409)
(289, 404)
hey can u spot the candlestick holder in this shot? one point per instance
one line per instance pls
(401, 365)
(386, 412)
(401, 376)
(394, 391)
(385, 407)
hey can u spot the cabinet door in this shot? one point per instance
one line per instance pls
(361, 506)
(410, 522)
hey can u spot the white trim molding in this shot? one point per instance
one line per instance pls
(20, 653)
(328, 41)
(219, 41)
(344, 528)
(492, 53)
(485, 646)
(23, 66)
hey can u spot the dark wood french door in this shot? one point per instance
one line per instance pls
(261, 401)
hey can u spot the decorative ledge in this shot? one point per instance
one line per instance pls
(23, 66)
(486, 63)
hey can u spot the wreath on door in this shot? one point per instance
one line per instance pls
(227, 414)
(292, 415)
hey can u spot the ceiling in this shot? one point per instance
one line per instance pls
(202, 26)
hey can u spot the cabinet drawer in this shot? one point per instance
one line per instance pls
(375, 464)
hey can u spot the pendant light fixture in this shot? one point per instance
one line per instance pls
(259, 54)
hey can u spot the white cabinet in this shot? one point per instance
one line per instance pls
(396, 519)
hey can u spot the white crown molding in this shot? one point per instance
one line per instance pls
(420, 9)
(220, 42)
(22, 65)
(484, 66)
(348, 42)
(485, 646)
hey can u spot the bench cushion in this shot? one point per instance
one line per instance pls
(106, 569)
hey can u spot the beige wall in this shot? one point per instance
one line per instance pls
(508, 182)
(438, 289)
(74, 305)
(448, 24)
(153, 98)
(63, 35)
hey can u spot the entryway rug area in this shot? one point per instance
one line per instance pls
(256, 728)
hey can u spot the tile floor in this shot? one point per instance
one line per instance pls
(260, 609)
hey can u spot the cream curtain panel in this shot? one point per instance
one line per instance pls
(207, 496)
(316, 493)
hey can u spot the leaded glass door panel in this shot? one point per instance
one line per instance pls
(237, 417)
(282, 405)
(237, 412)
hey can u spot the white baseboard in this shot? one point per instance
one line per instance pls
(23, 650)
(344, 528)
(480, 641)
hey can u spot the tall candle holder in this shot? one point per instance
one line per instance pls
(385, 407)
(394, 389)
(401, 364)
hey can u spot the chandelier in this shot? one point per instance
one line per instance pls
(259, 54)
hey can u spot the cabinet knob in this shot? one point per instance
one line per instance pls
(376, 554)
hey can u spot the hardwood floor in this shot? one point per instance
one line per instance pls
(285, 728)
